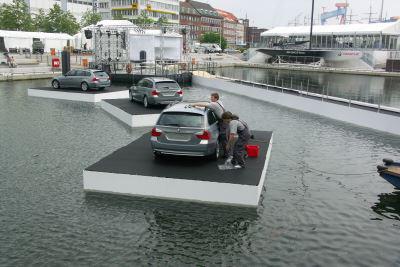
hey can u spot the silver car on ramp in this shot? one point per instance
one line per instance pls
(156, 91)
(83, 79)
(184, 130)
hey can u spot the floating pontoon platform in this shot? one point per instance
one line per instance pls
(93, 96)
(131, 113)
(132, 170)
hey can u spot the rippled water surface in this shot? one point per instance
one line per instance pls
(323, 203)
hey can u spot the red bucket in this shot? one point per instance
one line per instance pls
(253, 150)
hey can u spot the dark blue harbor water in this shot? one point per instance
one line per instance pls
(323, 204)
(371, 89)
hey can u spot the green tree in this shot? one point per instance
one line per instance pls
(58, 20)
(40, 21)
(90, 18)
(214, 38)
(118, 16)
(162, 21)
(16, 16)
(143, 19)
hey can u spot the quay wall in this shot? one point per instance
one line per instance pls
(365, 117)
(311, 69)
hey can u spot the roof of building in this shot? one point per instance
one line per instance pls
(40, 35)
(227, 15)
(372, 28)
(204, 9)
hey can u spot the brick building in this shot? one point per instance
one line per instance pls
(233, 30)
(201, 17)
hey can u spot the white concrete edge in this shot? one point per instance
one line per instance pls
(146, 120)
(61, 95)
(112, 95)
(118, 113)
(74, 96)
(170, 188)
(264, 172)
(361, 117)
(320, 96)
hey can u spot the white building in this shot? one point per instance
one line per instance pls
(131, 9)
(77, 8)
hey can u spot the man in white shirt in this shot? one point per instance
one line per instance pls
(217, 107)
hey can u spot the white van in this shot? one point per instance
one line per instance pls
(211, 48)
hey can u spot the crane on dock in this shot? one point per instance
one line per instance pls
(341, 11)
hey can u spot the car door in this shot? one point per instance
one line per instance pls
(78, 78)
(147, 89)
(136, 90)
(213, 124)
(66, 80)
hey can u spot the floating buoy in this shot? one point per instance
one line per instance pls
(388, 161)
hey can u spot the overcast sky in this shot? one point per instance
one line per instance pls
(269, 13)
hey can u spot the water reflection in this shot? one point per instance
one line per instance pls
(371, 89)
(183, 232)
(388, 205)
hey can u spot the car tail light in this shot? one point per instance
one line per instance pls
(155, 132)
(95, 79)
(205, 135)
(180, 92)
(154, 93)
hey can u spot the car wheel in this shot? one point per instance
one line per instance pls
(215, 155)
(145, 102)
(157, 155)
(84, 86)
(130, 96)
(55, 84)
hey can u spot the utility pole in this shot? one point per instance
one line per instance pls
(312, 22)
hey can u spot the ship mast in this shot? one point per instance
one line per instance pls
(312, 23)
(381, 15)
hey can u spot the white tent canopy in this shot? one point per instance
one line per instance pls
(20, 39)
(390, 28)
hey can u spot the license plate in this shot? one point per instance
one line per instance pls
(178, 137)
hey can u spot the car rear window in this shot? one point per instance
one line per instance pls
(100, 74)
(167, 85)
(180, 119)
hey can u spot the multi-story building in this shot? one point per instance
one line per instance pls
(132, 9)
(246, 24)
(240, 34)
(254, 34)
(206, 20)
(191, 19)
(77, 8)
(229, 27)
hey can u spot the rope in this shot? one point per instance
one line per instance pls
(322, 171)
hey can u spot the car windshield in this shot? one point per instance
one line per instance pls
(167, 85)
(100, 74)
(180, 119)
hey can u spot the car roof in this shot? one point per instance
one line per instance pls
(160, 79)
(185, 107)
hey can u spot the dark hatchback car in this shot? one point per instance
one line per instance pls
(156, 91)
(84, 79)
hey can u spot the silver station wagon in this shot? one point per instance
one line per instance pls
(156, 91)
(186, 131)
(83, 79)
